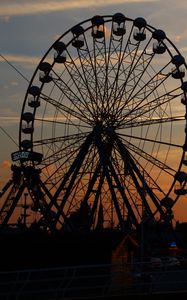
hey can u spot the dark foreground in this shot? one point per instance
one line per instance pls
(107, 281)
(36, 266)
(35, 249)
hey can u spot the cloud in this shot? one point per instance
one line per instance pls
(6, 164)
(21, 58)
(33, 7)
(177, 38)
(5, 19)
(13, 83)
(26, 61)
(10, 119)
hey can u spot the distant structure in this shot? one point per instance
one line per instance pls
(102, 136)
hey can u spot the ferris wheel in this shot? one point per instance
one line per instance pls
(102, 137)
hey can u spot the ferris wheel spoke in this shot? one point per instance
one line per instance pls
(63, 154)
(88, 72)
(90, 191)
(146, 91)
(141, 191)
(72, 97)
(47, 209)
(133, 196)
(58, 121)
(153, 141)
(132, 165)
(151, 159)
(75, 98)
(63, 161)
(158, 103)
(77, 186)
(81, 83)
(117, 58)
(105, 162)
(134, 184)
(97, 205)
(107, 53)
(49, 141)
(114, 56)
(71, 173)
(76, 81)
(65, 109)
(155, 80)
(63, 151)
(139, 64)
(151, 122)
(75, 166)
(132, 81)
(149, 178)
(99, 60)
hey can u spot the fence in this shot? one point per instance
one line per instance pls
(88, 282)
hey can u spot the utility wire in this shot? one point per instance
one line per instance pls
(10, 64)
(4, 131)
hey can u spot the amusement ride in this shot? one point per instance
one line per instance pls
(102, 134)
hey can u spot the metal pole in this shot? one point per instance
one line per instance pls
(25, 211)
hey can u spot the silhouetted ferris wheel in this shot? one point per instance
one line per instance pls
(102, 137)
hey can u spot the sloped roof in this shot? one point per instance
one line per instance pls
(127, 238)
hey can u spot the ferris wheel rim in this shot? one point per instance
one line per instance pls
(96, 124)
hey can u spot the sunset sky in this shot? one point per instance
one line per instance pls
(28, 29)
